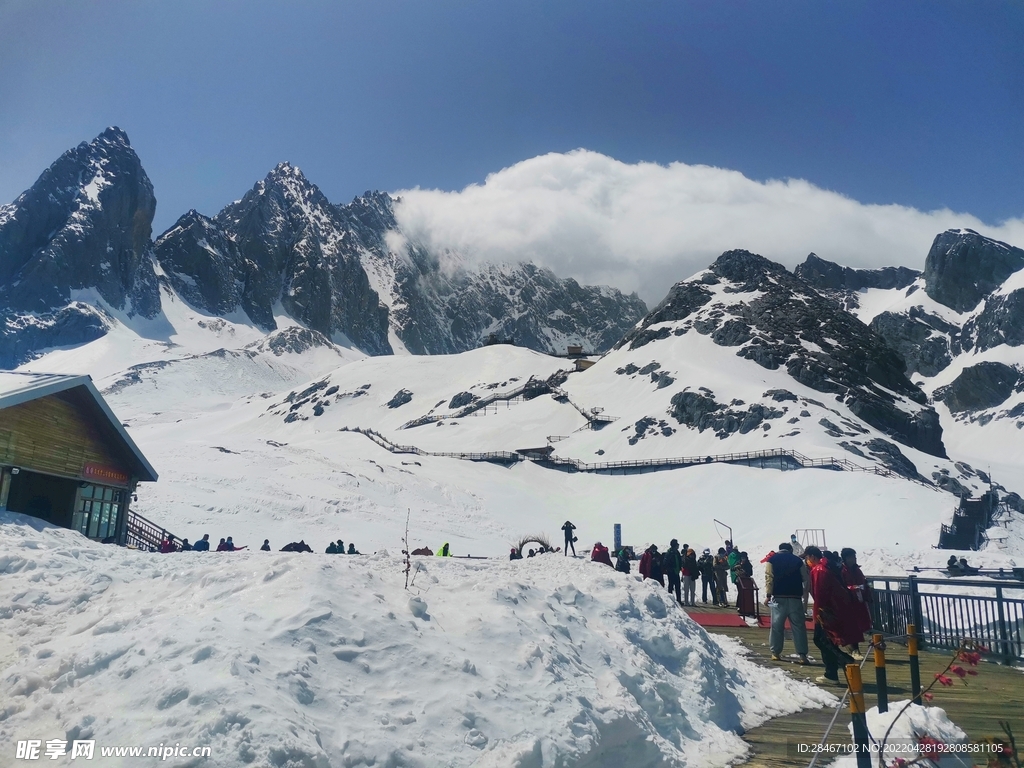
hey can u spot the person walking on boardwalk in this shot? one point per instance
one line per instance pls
(831, 610)
(787, 583)
(671, 565)
(722, 578)
(690, 577)
(570, 539)
(857, 583)
(706, 568)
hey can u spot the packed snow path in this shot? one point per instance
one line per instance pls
(313, 661)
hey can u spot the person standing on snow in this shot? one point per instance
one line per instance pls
(650, 564)
(798, 548)
(568, 529)
(787, 583)
(706, 568)
(671, 565)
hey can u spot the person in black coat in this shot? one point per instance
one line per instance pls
(266, 546)
(568, 529)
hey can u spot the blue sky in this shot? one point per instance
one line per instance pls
(916, 103)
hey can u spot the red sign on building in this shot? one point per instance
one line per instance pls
(104, 475)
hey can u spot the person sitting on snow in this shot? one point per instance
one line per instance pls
(600, 555)
(222, 547)
(442, 552)
(515, 554)
(332, 549)
(203, 545)
(229, 546)
(622, 561)
(185, 546)
(353, 551)
(266, 546)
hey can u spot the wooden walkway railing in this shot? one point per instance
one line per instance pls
(778, 458)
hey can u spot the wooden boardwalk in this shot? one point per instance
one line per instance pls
(997, 693)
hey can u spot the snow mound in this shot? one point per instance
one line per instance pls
(916, 723)
(282, 659)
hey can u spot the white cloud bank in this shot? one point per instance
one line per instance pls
(644, 226)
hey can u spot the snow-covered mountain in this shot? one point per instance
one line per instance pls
(959, 327)
(75, 249)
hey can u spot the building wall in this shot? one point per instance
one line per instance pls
(50, 435)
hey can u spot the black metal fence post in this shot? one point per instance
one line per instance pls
(915, 667)
(915, 607)
(1004, 638)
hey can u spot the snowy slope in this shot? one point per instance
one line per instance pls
(282, 659)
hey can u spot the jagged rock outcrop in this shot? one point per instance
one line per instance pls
(297, 251)
(203, 264)
(962, 267)
(22, 336)
(1000, 322)
(85, 224)
(981, 386)
(829, 276)
(923, 340)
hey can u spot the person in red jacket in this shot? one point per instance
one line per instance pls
(857, 584)
(600, 555)
(167, 545)
(833, 627)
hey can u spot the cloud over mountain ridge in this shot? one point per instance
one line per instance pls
(640, 226)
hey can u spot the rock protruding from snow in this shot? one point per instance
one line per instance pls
(962, 267)
(85, 224)
(981, 386)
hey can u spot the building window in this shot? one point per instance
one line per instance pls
(97, 511)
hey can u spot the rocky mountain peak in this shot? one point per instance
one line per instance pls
(777, 320)
(746, 268)
(85, 223)
(829, 276)
(113, 135)
(963, 267)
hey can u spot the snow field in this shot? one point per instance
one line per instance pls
(298, 660)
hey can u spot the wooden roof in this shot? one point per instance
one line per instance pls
(18, 387)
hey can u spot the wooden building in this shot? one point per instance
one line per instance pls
(64, 456)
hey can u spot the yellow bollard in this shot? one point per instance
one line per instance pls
(915, 665)
(880, 674)
(858, 716)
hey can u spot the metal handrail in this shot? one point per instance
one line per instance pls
(944, 619)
